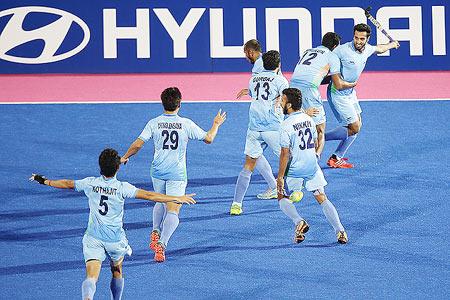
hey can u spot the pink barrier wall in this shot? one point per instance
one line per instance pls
(200, 86)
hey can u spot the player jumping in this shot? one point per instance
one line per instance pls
(344, 103)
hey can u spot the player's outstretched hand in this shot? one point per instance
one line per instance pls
(39, 178)
(124, 160)
(312, 111)
(243, 92)
(396, 44)
(187, 199)
(220, 117)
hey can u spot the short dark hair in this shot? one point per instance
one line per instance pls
(109, 161)
(294, 97)
(362, 28)
(331, 40)
(171, 98)
(252, 45)
(271, 60)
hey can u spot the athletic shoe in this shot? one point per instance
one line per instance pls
(300, 230)
(160, 252)
(154, 238)
(236, 209)
(339, 163)
(269, 194)
(342, 237)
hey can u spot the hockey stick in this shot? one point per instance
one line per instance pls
(377, 24)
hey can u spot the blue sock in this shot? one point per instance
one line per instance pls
(170, 224)
(289, 210)
(242, 185)
(264, 168)
(344, 145)
(116, 288)
(339, 133)
(88, 288)
(159, 210)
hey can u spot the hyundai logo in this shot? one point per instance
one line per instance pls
(52, 34)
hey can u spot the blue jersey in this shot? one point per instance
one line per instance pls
(265, 111)
(352, 63)
(298, 133)
(258, 66)
(171, 134)
(314, 65)
(106, 199)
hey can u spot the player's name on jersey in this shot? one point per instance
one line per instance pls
(301, 125)
(167, 125)
(258, 79)
(316, 50)
(104, 190)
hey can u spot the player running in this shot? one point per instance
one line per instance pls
(104, 234)
(265, 117)
(253, 53)
(344, 103)
(313, 66)
(170, 134)
(297, 138)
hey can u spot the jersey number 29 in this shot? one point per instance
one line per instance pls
(173, 136)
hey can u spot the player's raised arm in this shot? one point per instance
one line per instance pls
(132, 150)
(60, 184)
(385, 47)
(157, 197)
(218, 120)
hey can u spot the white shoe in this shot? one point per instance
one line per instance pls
(269, 194)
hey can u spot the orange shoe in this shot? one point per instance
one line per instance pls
(154, 238)
(300, 230)
(160, 252)
(339, 163)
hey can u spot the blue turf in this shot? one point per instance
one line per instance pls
(394, 204)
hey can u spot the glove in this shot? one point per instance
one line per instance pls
(39, 178)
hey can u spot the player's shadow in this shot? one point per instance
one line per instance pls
(145, 257)
(17, 235)
(213, 249)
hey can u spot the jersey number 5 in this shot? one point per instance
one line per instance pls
(173, 136)
(104, 204)
(306, 144)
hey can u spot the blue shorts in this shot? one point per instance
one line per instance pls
(311, 98)
(312, 183)
(345, 108)
(257, 141)
(96, 249)
(169, 187)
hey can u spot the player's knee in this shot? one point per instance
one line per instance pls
(116, 270)
(320, 196)
(173, 207)
(354, 128)
(250, 163)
